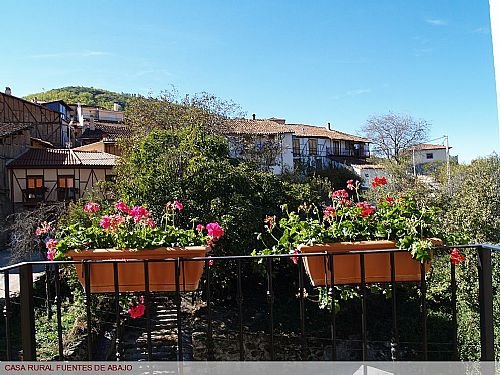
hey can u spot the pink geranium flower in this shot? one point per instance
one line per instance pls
(110, 223)
(178, 205)
(215, 230)
(43, 229)
(295, 260)
(329, 213)
(51, 253)
(51, 244)
(200, 227)
(91, 207)
(137, 311)
(150, 223)
(139, 212)
(340, 194)
(120, 206)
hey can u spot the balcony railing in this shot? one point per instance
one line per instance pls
(265, 291)
(359, 153)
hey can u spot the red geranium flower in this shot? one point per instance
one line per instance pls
(456, 257)
(379, 181)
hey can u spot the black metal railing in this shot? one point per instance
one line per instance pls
(27, 347)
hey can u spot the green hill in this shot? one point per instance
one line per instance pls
(84, 95)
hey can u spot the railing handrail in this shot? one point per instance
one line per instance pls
(245, 257)
(484, 267)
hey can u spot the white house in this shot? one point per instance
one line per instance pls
(279, 146)
(425, 154)
(266, 141)
(368, 172)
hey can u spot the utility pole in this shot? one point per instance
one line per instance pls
(448, 172)
(414, 167)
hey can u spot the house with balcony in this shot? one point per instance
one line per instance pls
(279, 146)
(322, 147)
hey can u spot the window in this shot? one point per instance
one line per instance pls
(296, 147)
(313, 146)
(429, 155)
(66, 188)
(35, 191)
(65, 182)
(336, 148)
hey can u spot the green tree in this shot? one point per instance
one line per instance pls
(471, 206)
(84, 95)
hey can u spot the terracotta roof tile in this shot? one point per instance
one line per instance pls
(9, 128)
(105, 131)
(427, 146)
(258, 126)
(63, 158)
(277, 126)
(302, 130)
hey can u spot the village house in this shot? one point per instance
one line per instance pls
(39, 132)
(426, 157)
(99, 128)
(51, 175)
(287, 147)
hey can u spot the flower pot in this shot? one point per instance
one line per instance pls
(347, 268)
(131, 275)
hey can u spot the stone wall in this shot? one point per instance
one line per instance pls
(257, 347)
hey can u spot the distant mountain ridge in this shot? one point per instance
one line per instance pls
(84, 95)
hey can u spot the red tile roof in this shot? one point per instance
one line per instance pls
(106, 130)
(427, 146)
(302, 130)
(258, 126)
(278, 126)
(40, 158)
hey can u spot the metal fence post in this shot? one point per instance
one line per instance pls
(27, 313)
(486, 304)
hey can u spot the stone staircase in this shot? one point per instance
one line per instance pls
(134, 344)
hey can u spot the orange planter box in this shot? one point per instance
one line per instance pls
(347, 268)
(131, 275)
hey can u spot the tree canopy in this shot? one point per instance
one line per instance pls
(84, 95)
(392, 134)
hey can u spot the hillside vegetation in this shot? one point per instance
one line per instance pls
(84, 95)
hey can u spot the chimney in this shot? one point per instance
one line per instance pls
(116, 107)
(329, 126)
(8, 91)
(92, 125)
(253, 116)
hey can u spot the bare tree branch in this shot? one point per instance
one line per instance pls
(393, 134)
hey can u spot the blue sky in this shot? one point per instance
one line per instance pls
(308, 62)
